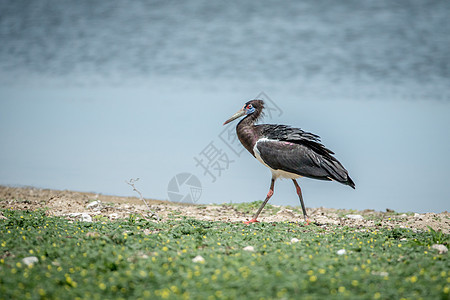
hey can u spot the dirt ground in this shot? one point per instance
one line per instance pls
(90, 206)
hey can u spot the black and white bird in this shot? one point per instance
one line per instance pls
(288, 152)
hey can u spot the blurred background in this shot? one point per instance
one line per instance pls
(95, 93)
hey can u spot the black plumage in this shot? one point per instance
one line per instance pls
(288, 152)
(296, 151)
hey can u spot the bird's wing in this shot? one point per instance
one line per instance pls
(290, 157)
(296, 136)
(296, 151)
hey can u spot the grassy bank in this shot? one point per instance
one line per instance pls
(135, 258)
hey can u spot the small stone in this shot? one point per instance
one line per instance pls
(341, 252)
(403, 215)
(382, 273)
(355, 217)
(86, 218)
(30, 260)
(147, 231)
(92, 234)
(418, 216)
(249, 248)
(294, 240)
(113, 216)
(82, 216)
(198, 258)
(440, 248)
(93, 204)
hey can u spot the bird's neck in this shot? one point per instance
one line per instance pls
(247, 133)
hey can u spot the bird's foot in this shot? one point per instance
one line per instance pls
(251, 221)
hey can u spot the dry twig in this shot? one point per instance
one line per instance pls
(131, 183)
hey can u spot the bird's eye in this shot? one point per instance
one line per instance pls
(249, 106)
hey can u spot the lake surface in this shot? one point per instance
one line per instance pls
(92, 95)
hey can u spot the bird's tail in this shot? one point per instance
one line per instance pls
(338, 172)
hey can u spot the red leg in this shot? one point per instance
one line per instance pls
(269, 194)
(299, 193)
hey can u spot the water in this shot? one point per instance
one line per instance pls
(94, 94)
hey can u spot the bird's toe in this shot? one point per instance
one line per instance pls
(251, 221)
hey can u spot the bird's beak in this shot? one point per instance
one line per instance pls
(235, 116)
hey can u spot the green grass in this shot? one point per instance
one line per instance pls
(112, 260)
(251, 207)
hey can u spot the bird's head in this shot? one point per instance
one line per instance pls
(252, 107)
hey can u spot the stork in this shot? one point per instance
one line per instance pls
(288, 152)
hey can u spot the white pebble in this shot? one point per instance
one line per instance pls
(294, 240)
(382, 273)
(355, 217)
(113, 216)
(441, 248)
(198, 258)
(83, 216)
(93, 204)
(341, 252)
(86, 218)
(249, 248)
(30, 260)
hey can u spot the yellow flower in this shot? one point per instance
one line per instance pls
(313, 278)
(165, 293)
